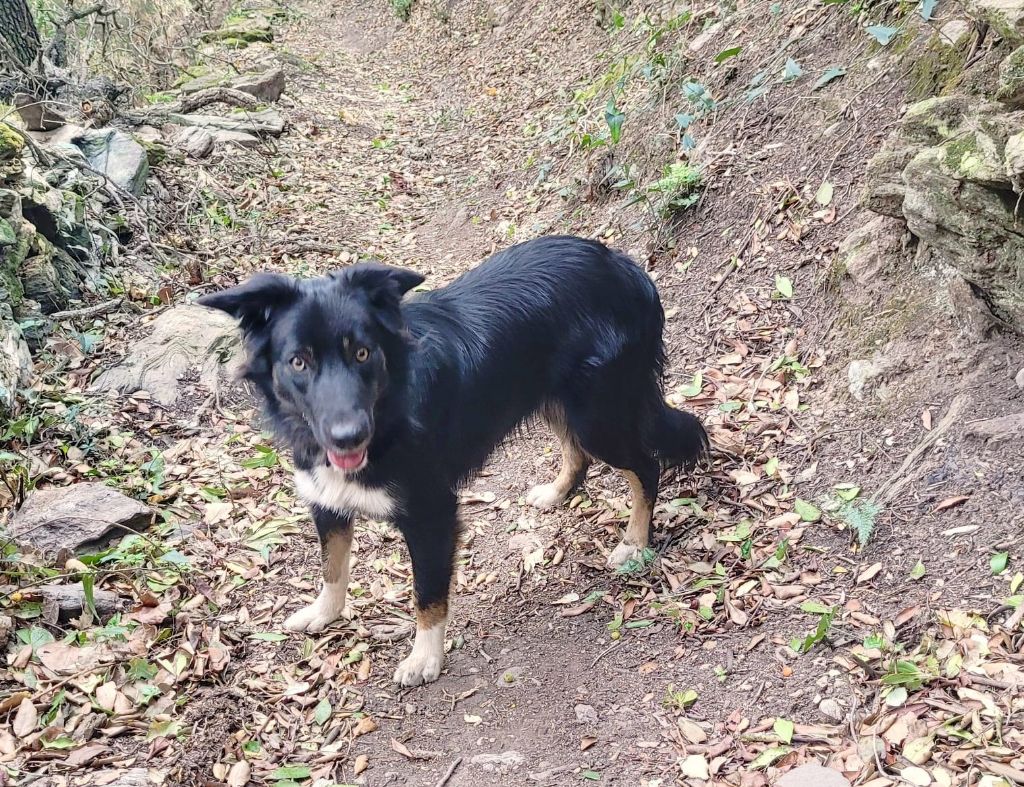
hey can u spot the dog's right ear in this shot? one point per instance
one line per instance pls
(253, 303)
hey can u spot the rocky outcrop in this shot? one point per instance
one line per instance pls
(182, 339)
(76, 518)
(953, 170)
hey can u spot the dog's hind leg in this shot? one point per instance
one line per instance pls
(335, 531)
(575, 462)
(431, 540)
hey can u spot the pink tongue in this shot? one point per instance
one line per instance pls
(348, 461)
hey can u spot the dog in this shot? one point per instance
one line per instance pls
(391, 403)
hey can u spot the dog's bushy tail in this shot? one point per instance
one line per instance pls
(678, 437)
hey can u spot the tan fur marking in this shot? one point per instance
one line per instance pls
(336, 551)
(638, 529)
(434, 615)
(574, 460)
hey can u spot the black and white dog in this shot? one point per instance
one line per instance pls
(390, 405)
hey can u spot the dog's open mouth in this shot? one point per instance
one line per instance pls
(348, 461)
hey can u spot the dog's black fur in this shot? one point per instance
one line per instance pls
(558, 325)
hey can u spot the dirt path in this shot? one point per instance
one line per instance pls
(424, 146)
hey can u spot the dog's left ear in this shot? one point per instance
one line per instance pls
(385, 287)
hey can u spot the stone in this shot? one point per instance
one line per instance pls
(1005, 16)
(7, 234)
(266, 121)
(38, 115)
(703, 38)
(832, 709)
(1010, 89)
(116, 155)
(586, 714)
(79, 518)
(859, 374)
(15, 359)
(266, 87)
(998, 430)
(195, 141)
(953, 31)
(239, 138)
(867, 251)
(883, 179)
(505, 762)
(182, 338)
(11, 143)
(247, 29)
(62, 603)
(1019, 379)
(812, 775)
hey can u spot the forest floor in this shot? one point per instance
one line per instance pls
(837, 585)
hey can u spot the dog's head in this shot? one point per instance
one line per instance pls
(318, 350)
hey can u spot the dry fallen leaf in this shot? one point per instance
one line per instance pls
(239, 774)
(361, 764)
(106, 695)
(364, 726)
(950, 502)
(586, 742)
(869, 573)
(25, 719)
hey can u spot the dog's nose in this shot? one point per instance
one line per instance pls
(349, 434)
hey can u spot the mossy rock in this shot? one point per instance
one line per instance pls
(934, 120)
(1011, 79)
(937, 69)
(8, 237)
(243, 30)
(11, 143)
(977, 157)
(1006, 17)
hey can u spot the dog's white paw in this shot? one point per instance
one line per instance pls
(312, 619)
(622, 554)
(418, 668)
(544, 496)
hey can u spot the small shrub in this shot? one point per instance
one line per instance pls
(676, 190)
(402, 9)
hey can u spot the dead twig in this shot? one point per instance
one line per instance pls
(448, 774)
(88, 311)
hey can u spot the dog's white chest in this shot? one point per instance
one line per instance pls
(330, 488)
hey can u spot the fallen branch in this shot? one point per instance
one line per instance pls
(87, 311)
(187, 104)
(905, 474)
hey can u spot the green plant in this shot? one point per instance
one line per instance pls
(402, 9)
(676, 190)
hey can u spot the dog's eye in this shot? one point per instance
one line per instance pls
(298, 364)
(362, 355)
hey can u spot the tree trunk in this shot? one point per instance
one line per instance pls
(18, 31)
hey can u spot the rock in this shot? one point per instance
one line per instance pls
(239, 138)
(1019, 379)
(79, 518)
(999, 430)
(7, 235)
(15, 360)
(37, 115)
(117, 156)
(62, 603)
(859, 374)
(195, 141)
(585, 714)
(243, 30)
(812, 775)
(883, 179)
(182, 338)
(49, 275)
(702, 39)
(866, 251)
(1005, 16)
(953, 31)
(266, 121)
(1010, 89)
(11, 143)
(266, 87)
(505, 762)
(832, 709)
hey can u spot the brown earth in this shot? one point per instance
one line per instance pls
(429, 144)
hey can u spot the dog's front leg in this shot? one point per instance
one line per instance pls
(335, 531)
(432, 548)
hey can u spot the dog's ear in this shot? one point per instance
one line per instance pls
(253, 303)
(385, 287)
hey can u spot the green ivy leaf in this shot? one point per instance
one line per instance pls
(725, 54)
(918, 571)
(791, 71)
(784, 286)
(998, 562)
(835, 72)
(883, 34)
(614, 118)
(694, 388)
(322, 712)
